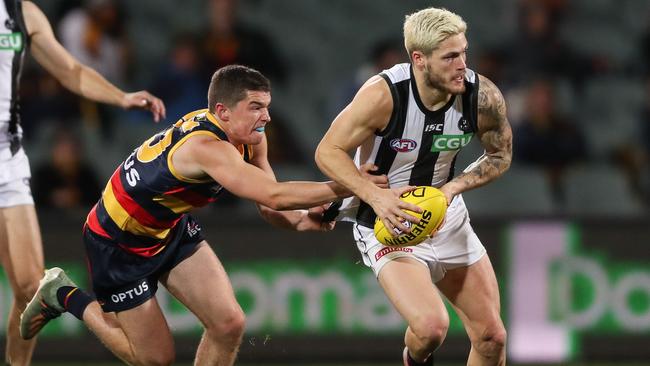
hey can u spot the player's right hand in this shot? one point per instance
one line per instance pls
(390, 208)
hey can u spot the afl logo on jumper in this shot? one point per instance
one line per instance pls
(403, 145)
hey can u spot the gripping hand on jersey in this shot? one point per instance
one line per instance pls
(390, 208)
(312, 220)
(368, 170)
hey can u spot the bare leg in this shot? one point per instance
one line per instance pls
(21, 252)
(201, 283)
(408, 285)
(107, 328)
(474, 293)
(18, 351)
(138, 336)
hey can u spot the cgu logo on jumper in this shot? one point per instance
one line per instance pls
(11, 42)
(450, 142)
(403, 145)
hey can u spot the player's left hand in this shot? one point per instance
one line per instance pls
(144, 100)
(312, 220)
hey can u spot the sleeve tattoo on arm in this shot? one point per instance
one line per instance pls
(495, 135)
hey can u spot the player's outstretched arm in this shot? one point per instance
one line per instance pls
(495, 134)
(204, 155)
(75, 76)
(299, 220)
(312, 219)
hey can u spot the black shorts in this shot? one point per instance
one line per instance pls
(122, 280)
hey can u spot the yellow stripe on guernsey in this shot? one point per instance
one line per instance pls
(124, 221)
(148, 152)
(173, 203)
(190, 116)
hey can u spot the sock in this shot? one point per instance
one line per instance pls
(412, 362)
(73, 300)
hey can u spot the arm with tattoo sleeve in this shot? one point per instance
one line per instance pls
(496, 137)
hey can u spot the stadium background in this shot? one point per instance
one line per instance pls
(567, 230)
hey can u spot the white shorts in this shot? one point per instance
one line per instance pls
(14, 179)
(455, 245)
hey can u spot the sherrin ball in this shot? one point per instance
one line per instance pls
(434, 207)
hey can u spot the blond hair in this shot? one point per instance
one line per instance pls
(424, 30)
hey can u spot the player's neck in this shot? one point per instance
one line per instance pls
(432, 97)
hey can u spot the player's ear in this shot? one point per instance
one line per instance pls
(222, 112)
(418, 59)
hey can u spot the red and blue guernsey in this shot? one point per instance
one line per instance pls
(145, 198)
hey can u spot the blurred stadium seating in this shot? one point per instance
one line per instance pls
(322, 55)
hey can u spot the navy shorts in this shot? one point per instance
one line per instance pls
(123, 280)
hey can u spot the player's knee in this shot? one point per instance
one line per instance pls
(234, 326)
(230, 326)
(491, 342)
(431, 330)
(25, 290)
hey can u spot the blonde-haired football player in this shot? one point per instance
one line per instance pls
(437, 105)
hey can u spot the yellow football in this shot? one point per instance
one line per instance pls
(434, 207)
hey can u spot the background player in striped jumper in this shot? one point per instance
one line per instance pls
(410, 121)
(140, 232)
(22, 24)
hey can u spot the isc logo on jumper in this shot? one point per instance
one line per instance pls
(11, 42)
(435, 127)
(193, 228)
(403, 145)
